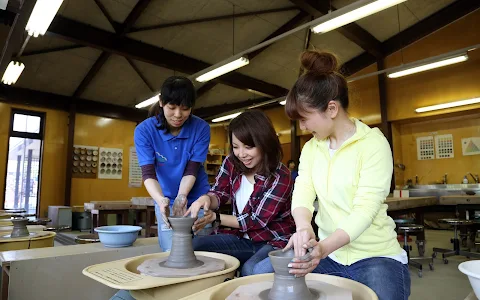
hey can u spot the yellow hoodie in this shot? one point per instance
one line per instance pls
(351, 187)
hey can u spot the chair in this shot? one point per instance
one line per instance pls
(455, 241)
(406, 229)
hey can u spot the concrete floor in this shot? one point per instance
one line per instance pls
(445, 282)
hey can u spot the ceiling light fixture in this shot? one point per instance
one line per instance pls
(283, 102)
(226, 68)
(425, 67)
(448, 105)
(42, 16)
(227, 117)
(12, 73)
(359, 10)
(148, 102)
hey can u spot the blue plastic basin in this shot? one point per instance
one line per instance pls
(117, 236)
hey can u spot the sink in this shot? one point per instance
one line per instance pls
(439, 190)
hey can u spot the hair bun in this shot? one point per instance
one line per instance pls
(319, 62)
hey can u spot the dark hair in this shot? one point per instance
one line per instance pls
(254, 128)
(320, 84)
(177, 90)
(290, 161)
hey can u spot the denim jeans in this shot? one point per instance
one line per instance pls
(165, 234)
(250, 254)
(388, 278)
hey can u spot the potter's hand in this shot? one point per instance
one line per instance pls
(301, 266)
(299, 239)
(208, 218)
(202, 202)
(180, 205)
(164, 205)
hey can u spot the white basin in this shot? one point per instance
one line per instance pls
(472, 270)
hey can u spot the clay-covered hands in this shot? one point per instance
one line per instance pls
(208, 218)
(202, 202)
(299, 239)
(180, 205)
(301, 266)
(164, 205)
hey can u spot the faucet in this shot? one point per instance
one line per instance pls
(475, 178)
(444, 179)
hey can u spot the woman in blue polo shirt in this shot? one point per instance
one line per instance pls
(172, 146)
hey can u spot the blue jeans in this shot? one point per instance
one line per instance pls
(252, 256)
(165, 234)
(388, 278)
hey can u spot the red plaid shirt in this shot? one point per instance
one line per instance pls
(267, 216)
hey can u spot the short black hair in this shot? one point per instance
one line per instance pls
(177, 90)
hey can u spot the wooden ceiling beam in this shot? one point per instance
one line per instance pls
(86, 35)
(351, 31)
(101, 60)
(427, 26)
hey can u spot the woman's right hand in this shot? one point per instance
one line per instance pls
(164, 205)
(202, 202)
(299, 239)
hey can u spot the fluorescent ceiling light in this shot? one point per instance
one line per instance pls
(148, 102)
(366, 8)
(448, 105)
(422, 68)
(259, 93)
(238, 63)
(12, 73)
(283, 102)
(227, 117)
(42, 15)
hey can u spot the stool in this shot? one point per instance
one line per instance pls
(413, 228)
(420, 243)
(87, 239)
(455, 241)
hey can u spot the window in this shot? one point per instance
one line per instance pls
(22, 183)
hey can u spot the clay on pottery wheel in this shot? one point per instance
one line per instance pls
(182, 255)
(19, 227)
(182, 261)
(285, 285)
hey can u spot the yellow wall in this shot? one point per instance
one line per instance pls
(281, 123)
(52, 189)
(364, 97)
(109, 133)
(219, 137)
(431, 171)
(450, 83)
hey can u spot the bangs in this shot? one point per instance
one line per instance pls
(295, 107)
(179, 91)
(242, 133)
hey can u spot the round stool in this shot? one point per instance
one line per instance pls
(412, 228)
(87, 239)
(455, 241)
(404, 221)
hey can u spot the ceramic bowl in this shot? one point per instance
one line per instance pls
(117, 236)
(472, 270)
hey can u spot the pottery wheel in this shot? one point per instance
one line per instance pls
(154, 267)
(260, 290)
(31, 235)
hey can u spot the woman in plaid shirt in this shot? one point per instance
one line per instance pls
(259, 187)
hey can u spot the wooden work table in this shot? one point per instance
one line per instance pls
(61, 266)
(100, 209)
(395, 203)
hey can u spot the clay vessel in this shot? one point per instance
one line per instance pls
(285, 285)
(19, 227)
(182, 255)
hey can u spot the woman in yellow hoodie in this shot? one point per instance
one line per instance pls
(348, 166)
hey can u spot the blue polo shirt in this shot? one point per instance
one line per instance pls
(170, 154)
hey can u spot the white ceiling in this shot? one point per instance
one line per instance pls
(117, 82)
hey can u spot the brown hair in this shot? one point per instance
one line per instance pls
(254, 128)
(320, 84)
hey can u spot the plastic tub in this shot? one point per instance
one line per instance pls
(472, 270)
(117, 236)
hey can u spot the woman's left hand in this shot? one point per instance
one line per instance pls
(301, 266)
(208, 218)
